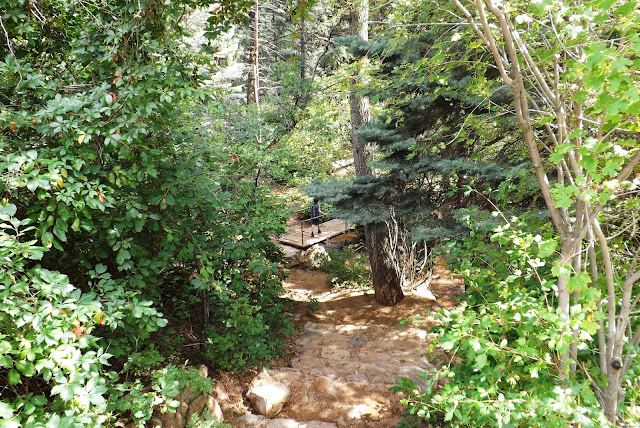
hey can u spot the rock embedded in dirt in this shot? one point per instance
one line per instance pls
(424, 291)
(314, 256)
(214, 408)
(267, 396)
(250, 420)
(290, 423)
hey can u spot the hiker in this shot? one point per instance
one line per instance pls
(316, 212)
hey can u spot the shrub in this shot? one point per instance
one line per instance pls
(46, 338)
(348, 268)
(138, 400)
(503, 341)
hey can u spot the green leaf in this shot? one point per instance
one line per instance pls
(562, 200)
(624, 10)
(605, 197)
(547, 248)
(6, 361)
(26, 367)
(579, 282)
(590, 327)
(39, 400)
(29, 408)
(8, 210)
(605, 4)
(14, 377)
(137, 311)
(481, 360)
(612, 168)
(60, 233)
(560, 151)
(560, 270)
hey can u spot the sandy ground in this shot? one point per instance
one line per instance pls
(348, 354)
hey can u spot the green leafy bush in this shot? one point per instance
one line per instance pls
(244, 333)
(141, 362)
(46, 337)
(348, 268)
(205, 420)
(110, 196)
(136, 400)
(504, 339)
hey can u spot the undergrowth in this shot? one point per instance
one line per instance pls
(348, 267)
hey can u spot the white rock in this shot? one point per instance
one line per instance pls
(282, 423)
(317, 424)
(250, 421)
(214, 409)
(424, 292)
(314, 256)
(267, 395)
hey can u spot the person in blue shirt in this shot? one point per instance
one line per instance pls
(316, 212)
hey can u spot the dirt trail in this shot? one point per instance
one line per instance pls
(350, 353)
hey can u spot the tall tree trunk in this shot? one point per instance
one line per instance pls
(360, 115)
(303, 47)
(386, 282)
(256, 73)
(250, 74)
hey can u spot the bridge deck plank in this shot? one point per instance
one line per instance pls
(303, 239)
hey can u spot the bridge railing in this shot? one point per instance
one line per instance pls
(302, 223)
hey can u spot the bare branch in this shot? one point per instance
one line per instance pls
(6, 35)
(533, 66)
(625, 307)
(608, 270)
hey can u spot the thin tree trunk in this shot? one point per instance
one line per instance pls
(256, 73)
(205, 318)
(303, 47)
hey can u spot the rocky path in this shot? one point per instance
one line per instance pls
(350, 353)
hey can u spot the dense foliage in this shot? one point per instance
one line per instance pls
(548, 322)
(347, 267)
(433, 137)
(133, 158)
(503, 339)
(119, 202)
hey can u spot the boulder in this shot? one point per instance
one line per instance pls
(214, 409)
(155, 422)
(250, 421)
(180, 420)
(267, 395)
(168, 419)
(196, 406)
(314, 256)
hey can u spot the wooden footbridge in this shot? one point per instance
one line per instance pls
(300, 236)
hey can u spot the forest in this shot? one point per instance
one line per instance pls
(151, 150)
